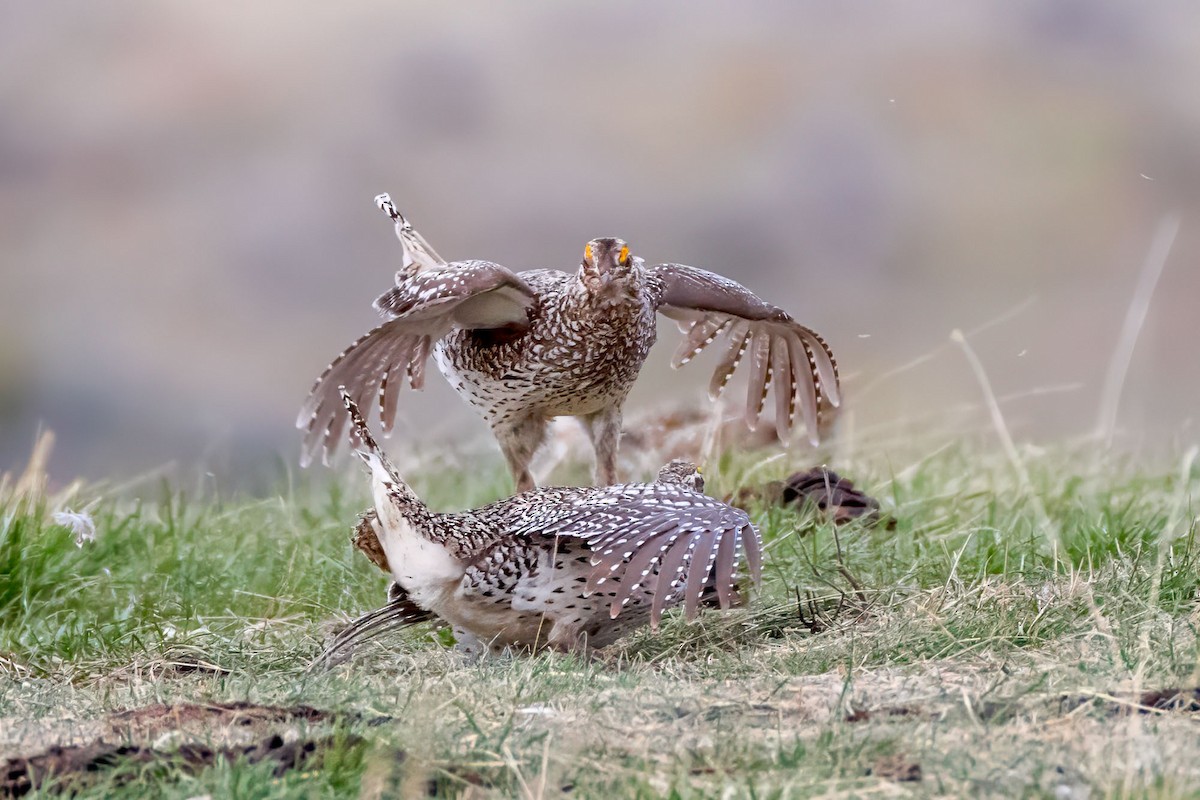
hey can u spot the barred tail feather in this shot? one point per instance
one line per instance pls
(360, 435)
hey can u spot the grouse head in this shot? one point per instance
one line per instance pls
(682, 472)
(609, 271)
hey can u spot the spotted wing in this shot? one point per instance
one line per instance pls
(782, 352)
(474, 294)
(660, 543)
(423, 308)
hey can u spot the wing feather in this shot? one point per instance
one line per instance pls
(739, 336)
(658, 542)
(669, 577)
(360, 368)
(416, 365)
(423, 306)
(637, 573)
(760, 377)
(752, 548)
(806, 387)
(702, 333)
(391, 384)
(726, 563)
(783, 354)
(481, 293)
(823, 364)
(785, 387)
(699, 565)
(611, 557)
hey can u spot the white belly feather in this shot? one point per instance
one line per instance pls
(425, 569)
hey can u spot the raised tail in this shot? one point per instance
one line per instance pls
(383, 474)
(419, 255)
(361, 440)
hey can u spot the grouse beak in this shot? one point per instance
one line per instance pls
(612, 285)
(598, 282)
(605, 270)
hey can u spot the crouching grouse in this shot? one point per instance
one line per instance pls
(559, 568)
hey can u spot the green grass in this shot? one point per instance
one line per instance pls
(974, 647)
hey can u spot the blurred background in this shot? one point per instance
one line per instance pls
(188, 236)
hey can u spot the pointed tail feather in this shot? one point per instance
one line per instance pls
(366, 448)
(361, 440)
(418, 253)
(389, 487)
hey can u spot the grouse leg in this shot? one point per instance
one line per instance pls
(519, 439)
(604, 429)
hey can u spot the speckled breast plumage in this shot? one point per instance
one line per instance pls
(575, 358)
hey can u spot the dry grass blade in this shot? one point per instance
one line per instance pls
(1135, 318)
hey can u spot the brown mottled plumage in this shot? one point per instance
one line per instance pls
(561, 568)
(525, 348)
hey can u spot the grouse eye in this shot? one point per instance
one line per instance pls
(623, 257)
(587, 252)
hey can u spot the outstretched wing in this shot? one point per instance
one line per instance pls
(659, 542)
(472, 294)
(423, 307)
(782, 352)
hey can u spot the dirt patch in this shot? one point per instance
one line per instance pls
(149, 722)
(897, 767)
(73, 769)
(884, 712)
(1187, 700)
(184, 736)
(1178, 700)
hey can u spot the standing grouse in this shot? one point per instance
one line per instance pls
(524, 348)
